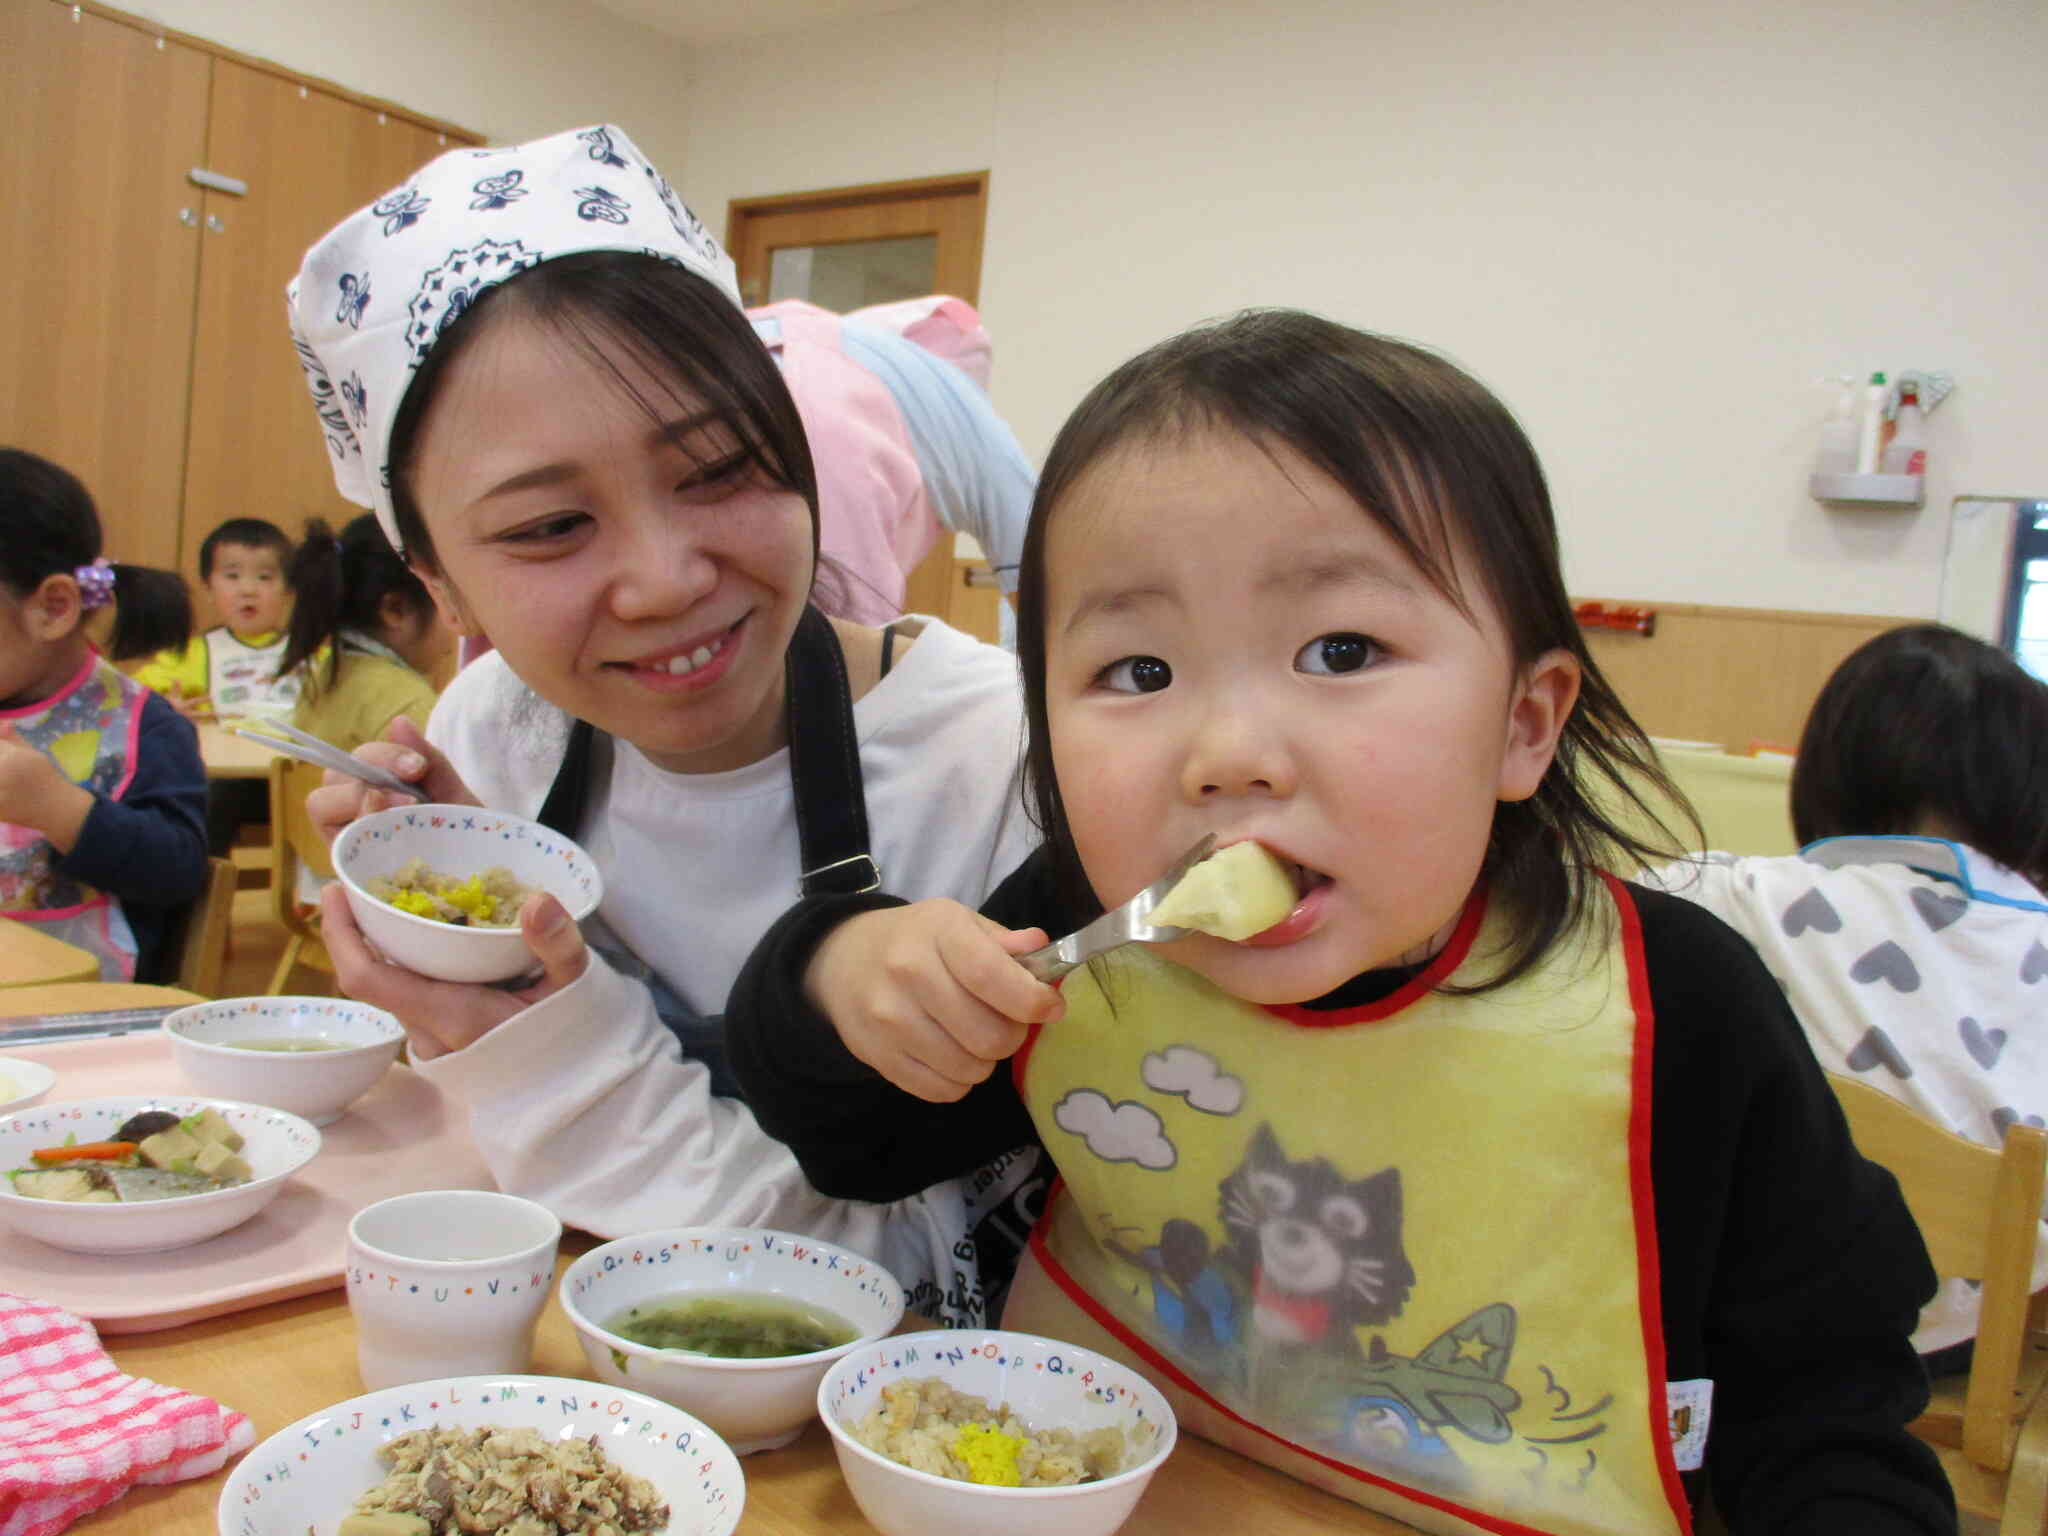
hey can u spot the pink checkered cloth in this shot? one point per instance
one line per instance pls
(76, 1434)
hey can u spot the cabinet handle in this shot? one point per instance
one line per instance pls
(213, 222)
(189, 217)
(980, 576)
(234, 186)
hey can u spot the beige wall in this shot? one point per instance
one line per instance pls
(1650, 230)
(508, 69)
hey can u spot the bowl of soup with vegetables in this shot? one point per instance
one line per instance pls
(736, 1325)
(314, 1056)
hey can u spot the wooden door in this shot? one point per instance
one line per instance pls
(943, 214)
(309, 159)
(948, 211)
(99, 244)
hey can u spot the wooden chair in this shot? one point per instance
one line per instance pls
(1979, 1211)
(295, 844)
(201, 939)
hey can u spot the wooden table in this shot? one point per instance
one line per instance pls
(29, 957)
(87, 997)
(280, 1362)
(228, 756)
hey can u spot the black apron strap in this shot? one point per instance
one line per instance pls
(831, 816)
(824, 767)
(562, 811)
(824, 764)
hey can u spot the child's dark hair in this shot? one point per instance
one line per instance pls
(341, 584)
(673, 322)
(1439, 464)
(1925, 723)
(49, 525)
(249, 533)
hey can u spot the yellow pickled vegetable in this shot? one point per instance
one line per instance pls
(418, 903)
(989, 1454)
(470, 897)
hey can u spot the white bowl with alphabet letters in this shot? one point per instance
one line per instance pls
(307, 1476)
(756, 1404)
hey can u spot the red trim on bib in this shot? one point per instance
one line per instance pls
(1649, 1272)
(37, 706)
(1448, 960)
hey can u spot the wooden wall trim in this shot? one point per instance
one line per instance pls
(1774, 615)
(963, 184)
(149, 28)
(1733, 676)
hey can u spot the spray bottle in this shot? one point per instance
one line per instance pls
(1870, 424)
(1906, 453)
(1836, 453)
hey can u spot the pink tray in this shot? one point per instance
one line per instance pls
(399, 1137)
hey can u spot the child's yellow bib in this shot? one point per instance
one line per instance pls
(1406, 1250)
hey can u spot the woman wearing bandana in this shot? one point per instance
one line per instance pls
(532, 365)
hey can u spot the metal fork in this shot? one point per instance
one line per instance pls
(1120, 925)
(307, 748)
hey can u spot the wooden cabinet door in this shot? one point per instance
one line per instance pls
(309, 159)
(102, 122)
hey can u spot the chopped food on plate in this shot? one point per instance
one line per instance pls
(927, 1425)
(155, 1155)
(507, 1480)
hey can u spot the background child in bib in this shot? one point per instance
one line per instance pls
(1289, 582)
(365, 629)
(102, 793)
(232, 671)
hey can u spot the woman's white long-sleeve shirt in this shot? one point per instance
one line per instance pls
(585, 1101)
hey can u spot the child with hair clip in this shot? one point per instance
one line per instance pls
(1482, 1189)
(1910, 932)
(365, 629)
(102, 792)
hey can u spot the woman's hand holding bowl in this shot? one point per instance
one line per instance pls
(443, 1016)
(438, 1016)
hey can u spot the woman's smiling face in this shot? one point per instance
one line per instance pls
(615, 542)
(1234, 646)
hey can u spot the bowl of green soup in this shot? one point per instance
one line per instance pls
(312, 1056)
(736, 1325)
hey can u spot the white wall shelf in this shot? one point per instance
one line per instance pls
(1902, 491)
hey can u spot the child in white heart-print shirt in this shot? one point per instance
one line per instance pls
(1910, 932)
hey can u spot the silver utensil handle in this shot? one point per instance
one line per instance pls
(323, 755)
(1050, 963)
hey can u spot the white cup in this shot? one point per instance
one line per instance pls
(448, 1282)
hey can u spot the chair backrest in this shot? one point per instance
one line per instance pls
(1979, 1212)
(203, 939)
(294, 840)
(1744, 803)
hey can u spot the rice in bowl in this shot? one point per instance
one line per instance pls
(929, 1426)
